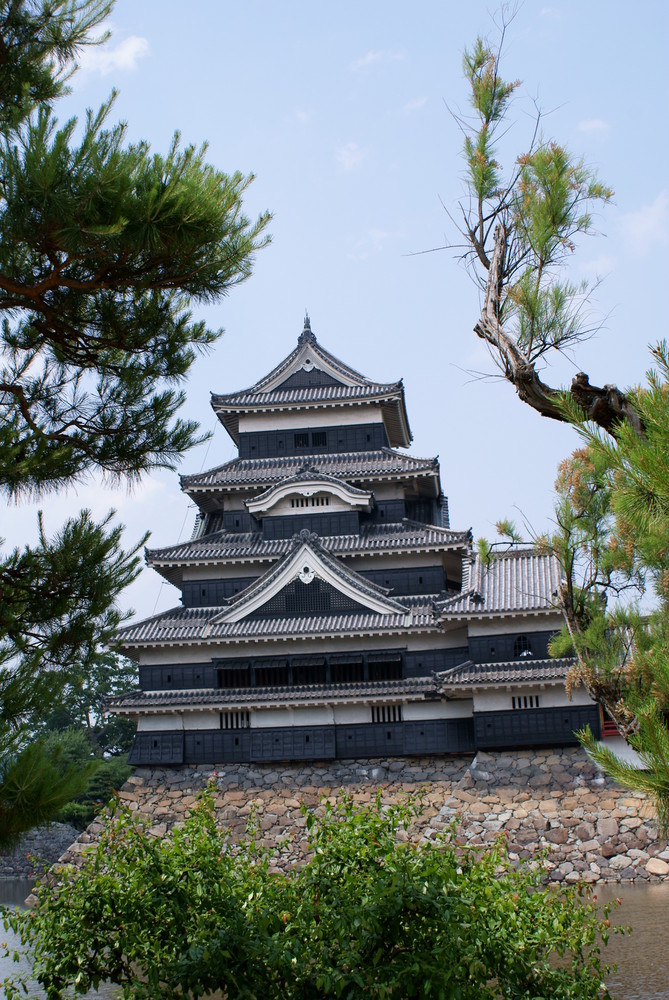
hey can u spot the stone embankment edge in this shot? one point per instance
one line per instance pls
(591, 829)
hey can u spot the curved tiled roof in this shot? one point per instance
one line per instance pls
(308, 395)
(400, 536)
(510, 672)
(196, 625)
(339, 385)
(413, 689)
(354, 466)
(519, 580)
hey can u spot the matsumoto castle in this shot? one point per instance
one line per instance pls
(328, 609)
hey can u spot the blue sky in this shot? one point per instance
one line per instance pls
(340, 110)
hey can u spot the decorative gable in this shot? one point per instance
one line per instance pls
(284, 591)
(310, 488)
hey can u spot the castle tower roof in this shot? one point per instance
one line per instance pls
(312, 378)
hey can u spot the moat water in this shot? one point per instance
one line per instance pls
(642, 957)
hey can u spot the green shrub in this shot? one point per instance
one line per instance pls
(370, 914)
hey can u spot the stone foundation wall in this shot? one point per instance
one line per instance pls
(556, 800)
(37, 850)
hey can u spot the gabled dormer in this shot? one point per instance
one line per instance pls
(313, 403)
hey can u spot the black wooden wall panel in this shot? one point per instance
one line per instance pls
(534, 727)
(517, 645)
(217, 746)
(421, 664)
(177, 677)
(212, 593)
(157, 748)
(420, 580)
(438, 736)
(369, 740)
(336, 523)
(288, 743)
(313, 441)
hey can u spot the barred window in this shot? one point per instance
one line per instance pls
(386, 713)
(525, 701)
(235, 720)
(319, 439)
(521, 647)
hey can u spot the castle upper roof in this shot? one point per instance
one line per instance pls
(352, 466)
(310, 377)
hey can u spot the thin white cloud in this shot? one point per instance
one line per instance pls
(551, 12)
(375, 56)
(598, 267)
(302, 116)
(350, 155)
(374, 241)
(648, 227)
(593, 125)
(105, 59)
(411, 106)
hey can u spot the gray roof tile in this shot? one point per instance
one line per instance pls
(510, 672)
(250, 399)
(353, 466)
(515, 581)
(412, 688)
(195, 625)
(392, 537)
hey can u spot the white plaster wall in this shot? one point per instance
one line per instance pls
(503, 625)
(437, 710)
(317, 716)
(554, 696)
(158, 723)
(348, 715)
(163, 656)
(389, 491)
(335, 416)
(622, 749)
(405, 561)
(222, 571)
(334, 505)
(202, 720)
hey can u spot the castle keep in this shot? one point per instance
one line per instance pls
(328, 609)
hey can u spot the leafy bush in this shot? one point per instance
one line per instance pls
(370, 914)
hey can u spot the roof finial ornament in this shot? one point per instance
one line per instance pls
(306, 337)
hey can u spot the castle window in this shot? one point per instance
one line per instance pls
(386, 713)
(302, 440)
(319, 439)
(523, 701)
(521, 647)
(235, 720)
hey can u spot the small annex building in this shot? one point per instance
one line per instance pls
(328, 608)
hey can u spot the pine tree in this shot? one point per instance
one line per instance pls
(105, 247)
(612, 511)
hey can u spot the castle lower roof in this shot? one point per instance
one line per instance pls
(519, 580)
(525, 671)
(197, 626)
(410, 689)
